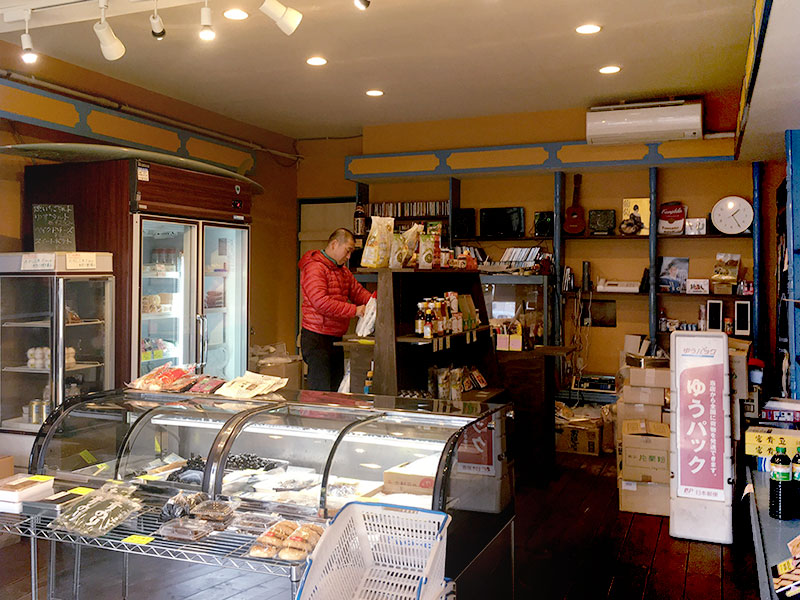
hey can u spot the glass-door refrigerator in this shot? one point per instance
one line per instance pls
(191, 303)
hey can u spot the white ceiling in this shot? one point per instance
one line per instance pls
(435, 59)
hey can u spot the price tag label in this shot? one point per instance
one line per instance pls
(81, 261)
(101, 467)
(158, 354)
(148, 477)
(38, 261)
(117, 481)
(157, 445)
(447, 342)
(785, 566)
(138, 539)
(87, 456)
(147, 355)
(40, 478)
(81, 491)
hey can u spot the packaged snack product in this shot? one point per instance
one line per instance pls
(143, 382)
(181, 505)
(292, 554)
(98, 512)
(726, 268)
(214, 510)
(426, 249)
(185, 529)
(302, 538)
(455, 384)
(379, 243)
(275, 535)
(207, 385)
(261, 551)
(399, 254)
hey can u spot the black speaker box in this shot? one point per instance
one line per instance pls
(463, 223)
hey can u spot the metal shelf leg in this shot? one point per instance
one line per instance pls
(34, 570)
(125, 558)
(51, 572)
(76, 573)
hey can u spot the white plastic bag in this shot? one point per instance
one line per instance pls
(366, 324)
(344, 386)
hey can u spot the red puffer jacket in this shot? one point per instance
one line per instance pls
(329, 292)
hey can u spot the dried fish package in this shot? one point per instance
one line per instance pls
(98, 512)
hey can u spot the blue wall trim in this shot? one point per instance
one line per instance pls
(792, 241)
(82, 127)
(653, 158)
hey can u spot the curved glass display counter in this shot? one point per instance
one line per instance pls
(297, 452)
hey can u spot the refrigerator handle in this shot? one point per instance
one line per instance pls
(205, 341)
(202, 337)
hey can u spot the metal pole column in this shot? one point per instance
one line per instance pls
(652, 242)
(792, 249)
(34, 566)
(757, 274)
(558, 258)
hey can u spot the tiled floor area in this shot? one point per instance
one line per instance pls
(571, 542)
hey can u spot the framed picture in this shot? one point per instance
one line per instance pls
(635, 216)
(673, 274)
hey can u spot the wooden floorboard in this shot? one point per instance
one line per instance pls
(571, 542)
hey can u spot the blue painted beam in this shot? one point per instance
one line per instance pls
(793, 250)
(758, 284)
(553, 163)
(558, 252)
(652, 243)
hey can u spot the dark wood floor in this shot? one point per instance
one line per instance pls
(572, 542)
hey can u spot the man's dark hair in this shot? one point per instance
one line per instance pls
(342, 236)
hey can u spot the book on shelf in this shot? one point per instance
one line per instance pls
(402, 210)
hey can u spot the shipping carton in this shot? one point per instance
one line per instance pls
(762, 441)
(6, 466)
(650, 377)
(647, 498)
(645, 451)
(737, 356)
(643, 395)
(627, 412)
(579, 437)
(415, 477)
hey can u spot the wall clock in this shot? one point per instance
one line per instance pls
(732, 215)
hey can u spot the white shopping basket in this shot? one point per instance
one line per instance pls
(377, 551)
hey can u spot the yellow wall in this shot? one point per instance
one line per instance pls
(273, 230)
(698, 187)
(321, 172)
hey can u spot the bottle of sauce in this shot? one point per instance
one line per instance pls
(359, 220)
(780, 482)
(427, 331)
(419, 320)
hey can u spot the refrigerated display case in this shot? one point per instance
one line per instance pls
(181, 243)
(56, 338)
(298, 453)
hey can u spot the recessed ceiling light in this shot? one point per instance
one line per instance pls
(375, 93)
(609, 69)
(588, 29)
(317, 61)
(235, 14)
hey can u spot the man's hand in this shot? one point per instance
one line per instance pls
(360, 310)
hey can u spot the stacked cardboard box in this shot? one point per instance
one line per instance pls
(642, 439)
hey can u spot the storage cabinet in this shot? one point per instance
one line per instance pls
(132, 209)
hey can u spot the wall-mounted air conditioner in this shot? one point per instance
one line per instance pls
(645, 122)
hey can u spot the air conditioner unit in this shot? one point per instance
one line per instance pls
(645, 122)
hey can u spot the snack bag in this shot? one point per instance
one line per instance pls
(400, 253)
(426, 249)
(412, 239)
(379, 243)
(726, 268)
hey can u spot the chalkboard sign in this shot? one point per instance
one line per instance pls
(53, 228)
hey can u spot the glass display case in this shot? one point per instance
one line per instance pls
(295, 452)
(56, 332)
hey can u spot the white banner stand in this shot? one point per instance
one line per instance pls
(701, 463)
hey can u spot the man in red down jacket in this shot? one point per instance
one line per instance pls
(331, 297)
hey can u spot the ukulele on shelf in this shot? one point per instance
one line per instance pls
(574, 218)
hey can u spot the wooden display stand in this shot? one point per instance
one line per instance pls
(401, 358)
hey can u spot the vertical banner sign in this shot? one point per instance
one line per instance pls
(476, 451)
(700, 383)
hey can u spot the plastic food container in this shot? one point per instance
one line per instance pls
(213, 510)
(254, 523)
(185, 529)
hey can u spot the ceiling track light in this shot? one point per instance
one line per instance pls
(28, 55)
(207, 32)
(157, 24)
(287, 19)
(110, 45)
(361, 4)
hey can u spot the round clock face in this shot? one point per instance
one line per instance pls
(732, 214)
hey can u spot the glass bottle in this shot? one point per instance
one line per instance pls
(419, 321)
(427, 331)
(780, 482)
